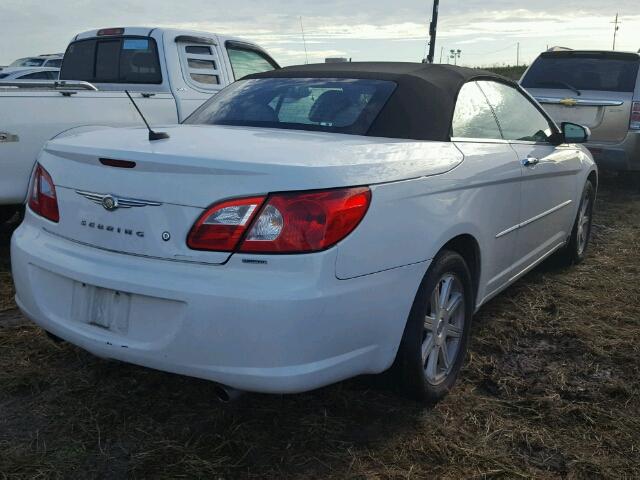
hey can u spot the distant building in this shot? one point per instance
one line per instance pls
(337, 60)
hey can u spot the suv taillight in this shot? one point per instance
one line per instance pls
(297, 222)
(634, 124)
(43, 200)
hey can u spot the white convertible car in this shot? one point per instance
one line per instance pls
(304, 226)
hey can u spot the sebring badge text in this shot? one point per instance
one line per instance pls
(113, 229)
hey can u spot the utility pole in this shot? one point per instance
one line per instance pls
(616, 27)
(304, 42)
(441, 51)
(433, 30)
(518, 55)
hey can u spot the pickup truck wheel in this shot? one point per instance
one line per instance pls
(7, 212)
(434, 343)
(576, 249)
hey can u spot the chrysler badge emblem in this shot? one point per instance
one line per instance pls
(110, 203)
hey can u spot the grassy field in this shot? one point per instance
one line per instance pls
(550, 390)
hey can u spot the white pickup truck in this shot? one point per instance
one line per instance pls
(169, 73)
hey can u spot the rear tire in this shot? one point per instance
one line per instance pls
(576, 250)
(434, 343)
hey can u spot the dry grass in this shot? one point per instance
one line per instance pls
(550, 390)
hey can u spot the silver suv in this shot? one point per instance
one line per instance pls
(597, 89)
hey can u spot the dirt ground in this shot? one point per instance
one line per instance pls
(550, 390)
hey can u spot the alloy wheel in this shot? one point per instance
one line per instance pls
(443, 328)
(584, 223)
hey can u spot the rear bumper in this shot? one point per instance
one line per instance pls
(619, 156)
(285, 326)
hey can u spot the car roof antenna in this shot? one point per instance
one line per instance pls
(152, 135)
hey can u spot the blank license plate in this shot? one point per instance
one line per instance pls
(101, 307)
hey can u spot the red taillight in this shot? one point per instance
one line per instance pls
(306, 222)
(298, 222)
(43, 200)
(634, 124)
(222, 225)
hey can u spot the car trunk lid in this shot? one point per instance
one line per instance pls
(607, 114)
(119, 192)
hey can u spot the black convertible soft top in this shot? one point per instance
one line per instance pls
(423, 103)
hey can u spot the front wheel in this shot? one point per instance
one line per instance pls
(434, 343)
(576, 249)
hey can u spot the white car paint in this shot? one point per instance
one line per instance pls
(31, 117)
(278, 323)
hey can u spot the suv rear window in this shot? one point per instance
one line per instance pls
(328, 105)
(113, 60)
(583, 71)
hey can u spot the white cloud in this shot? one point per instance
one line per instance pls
(486, 30)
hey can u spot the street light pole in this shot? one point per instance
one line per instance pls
(433, 30)
(455, 55)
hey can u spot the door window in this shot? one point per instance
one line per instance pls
(473, 117)
(518, 117)
(245, 61)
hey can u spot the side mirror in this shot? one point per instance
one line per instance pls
(574, 133)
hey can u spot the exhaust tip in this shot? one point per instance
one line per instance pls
(227, 394)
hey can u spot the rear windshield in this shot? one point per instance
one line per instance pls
(28, 62)
(329, 105)
(583, 72)
(112, 60)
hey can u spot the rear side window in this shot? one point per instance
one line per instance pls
(328, 105)
(245, 61)
(583, 72)
(53, 63)
(200, 65)
(198, 50)
(518, 118)
(113, 60)
(473, 117)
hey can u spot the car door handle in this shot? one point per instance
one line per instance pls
(530, 161)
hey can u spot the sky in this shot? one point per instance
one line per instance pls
(487, 32)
